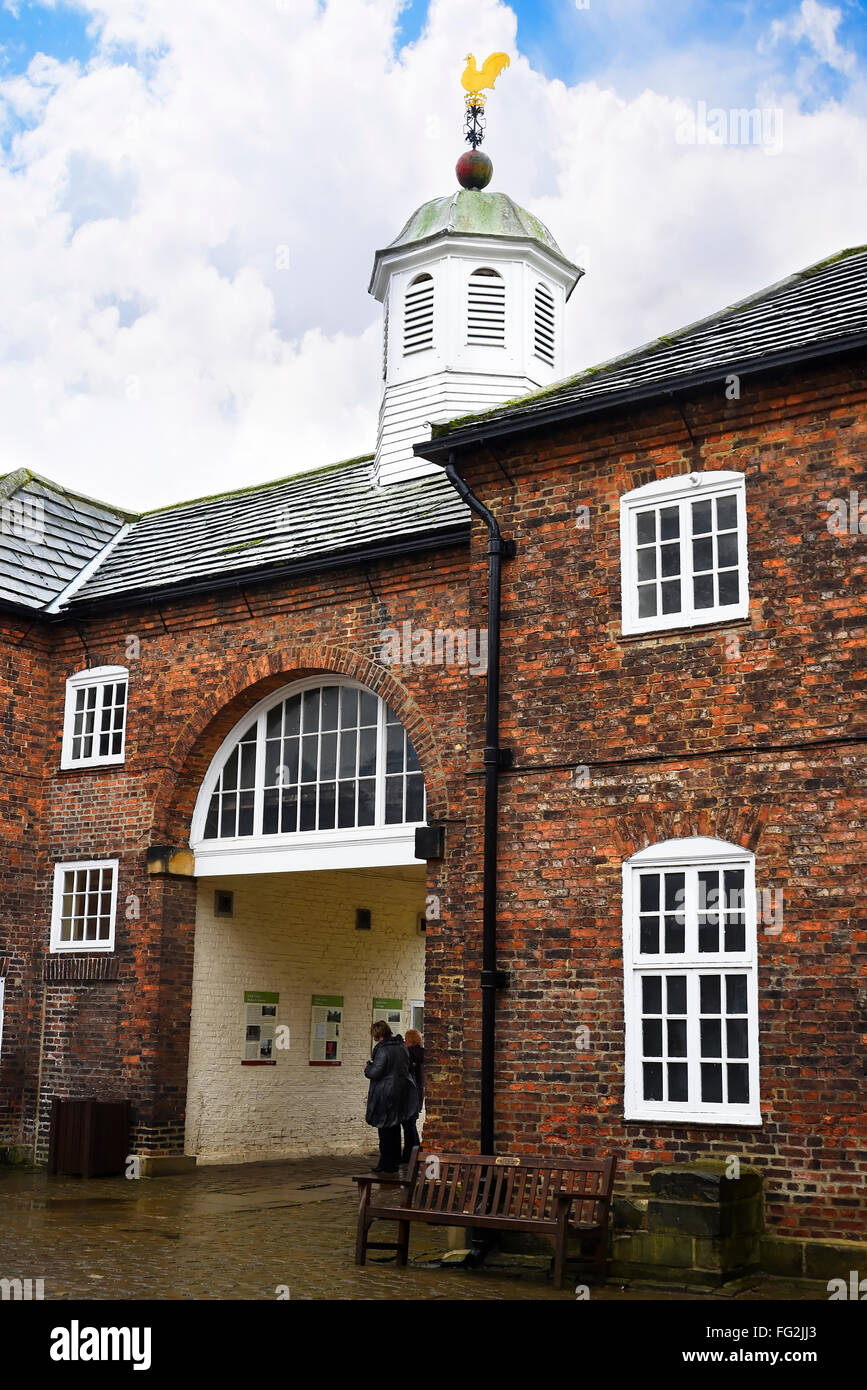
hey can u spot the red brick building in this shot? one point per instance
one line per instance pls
(217, 719)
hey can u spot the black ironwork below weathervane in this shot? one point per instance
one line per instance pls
(474, 169)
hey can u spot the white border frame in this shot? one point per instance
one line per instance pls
(670, 490)
(98, 676)
(57, 946)
(700, 852)
(361, 847)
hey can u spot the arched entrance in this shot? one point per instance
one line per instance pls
(309, 920)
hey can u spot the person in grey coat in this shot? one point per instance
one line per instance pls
(392, 1098)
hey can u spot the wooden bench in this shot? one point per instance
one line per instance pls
(551, 1197)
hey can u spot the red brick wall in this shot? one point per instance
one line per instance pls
(680, 739)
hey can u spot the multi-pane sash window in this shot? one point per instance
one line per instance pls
(85, 901)
(326, 758)
(94, 725)
(691, 991)
(683, 552)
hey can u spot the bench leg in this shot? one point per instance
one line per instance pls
(363, 1225)
(560, 1244)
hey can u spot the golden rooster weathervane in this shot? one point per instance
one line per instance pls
(474, 169)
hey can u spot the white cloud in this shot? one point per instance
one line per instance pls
(818, 25)
(186, 243)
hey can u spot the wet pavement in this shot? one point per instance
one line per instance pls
(257, 1231)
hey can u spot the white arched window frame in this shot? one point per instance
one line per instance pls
(486, 308)
(418, 314)
(683, 552)
(690, 983)
(94, 717)
(259, 850)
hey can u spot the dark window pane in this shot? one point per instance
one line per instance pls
(701, 518)
(652, 1080)
(678, 1085)
(103, 745)
(651, 994)
(348, 706)
(292, 715)
(733, 887)
(736, 1037)
(702, 555)
(273, 759)
(248, 765)
(330, 702)
(677, 1037)
(646, 527)
(736, 933)
(676, 993)
(649, 942)
(726, 513)
(708, 932)
(230, 772)
(739, 1083)
(709, 891)
(245, 815)
(675, 934)
(414, 797)
(270, 811)
(309, 753)
(736, 994)
(710, 994)
(393, 800)
(675, 892)
(671, 596)
(366, 801)
(346, 805)
(711, 1037)
(274, 722)
(227, 818)
(727, 550)
(347, 753)
(327, 805)
(651, 1036)
(711, 1082)
(311, 711)
(647, 601)
(412, 762)
(367, 753)
(670, 558)
(291, 753)
(394, 748)
(308, 808)
(213, 813)
(289, 810)
(647, 563)
(328, 757)
(729, 588)
(368, 708)
(669, 523)
(649, 892)
(702, 589)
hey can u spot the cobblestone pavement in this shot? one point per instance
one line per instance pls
(243, 1231)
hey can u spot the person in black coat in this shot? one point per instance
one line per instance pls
(416, 1057)
(392, 1097)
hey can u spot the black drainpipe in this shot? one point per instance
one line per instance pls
(495, 759)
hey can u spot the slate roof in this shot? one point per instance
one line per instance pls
(819, 309)
(47, 537)
(313, 517)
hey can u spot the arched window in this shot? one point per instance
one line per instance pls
(418, 315)
(486, 309)
(543, 324)
(324, 759)
(691, 1002)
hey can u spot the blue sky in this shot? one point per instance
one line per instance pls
(188, 226)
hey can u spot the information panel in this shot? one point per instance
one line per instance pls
(326, 1030)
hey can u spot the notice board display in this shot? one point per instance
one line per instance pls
(260, 1025)
(326, 1030)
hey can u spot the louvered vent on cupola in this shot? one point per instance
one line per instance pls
(543, 325)
(486, 309)
(418, 315)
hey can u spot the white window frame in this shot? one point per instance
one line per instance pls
(680, 491)
(367, 846)
(58, 946)
(700, 853)
(99, 677)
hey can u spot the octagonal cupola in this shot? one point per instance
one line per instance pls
(474, 290)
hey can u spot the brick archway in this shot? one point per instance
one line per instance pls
(201, 735)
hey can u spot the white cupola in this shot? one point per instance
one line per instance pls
(474, 290)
